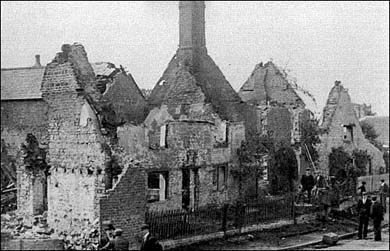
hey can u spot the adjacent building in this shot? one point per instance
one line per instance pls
(341, 128)
(280, 108)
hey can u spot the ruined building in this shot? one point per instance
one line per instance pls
(280, 107)
(23, 111)
(381, 127)
(341, 128)
(195, 124)
(120, 89)
(60, 138)
(362, 110)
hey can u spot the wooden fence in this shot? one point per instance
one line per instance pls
(175, 224)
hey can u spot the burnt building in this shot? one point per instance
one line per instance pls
(341, 128)
(195, 124)
(280, 107)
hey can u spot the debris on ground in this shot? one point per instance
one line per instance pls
(18, 227)
(330, 239)
(8, 198)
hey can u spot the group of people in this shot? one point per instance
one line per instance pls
(113, 239)
(370, 207)
(383, 192)
(311, 185)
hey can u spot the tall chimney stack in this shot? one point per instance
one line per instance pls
(37, 61)
(192, 25)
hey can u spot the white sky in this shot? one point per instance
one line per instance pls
(320, 42)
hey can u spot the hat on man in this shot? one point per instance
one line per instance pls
(373, 198)
(107, 225)
(382, 180)
(118, 232)
(145, 226)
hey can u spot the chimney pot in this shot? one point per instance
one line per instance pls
(37, 61)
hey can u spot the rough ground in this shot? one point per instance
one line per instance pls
(353, 244)
(294, 235)
(277, 238)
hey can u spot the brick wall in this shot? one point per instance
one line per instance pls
(75, 151)
(125, 205)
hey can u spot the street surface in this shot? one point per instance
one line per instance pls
(369, 244)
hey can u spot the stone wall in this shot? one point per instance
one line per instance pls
(191, 145)
(31, 192)
(71, 198)
(124, 205)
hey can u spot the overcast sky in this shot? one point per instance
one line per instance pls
(319, 42)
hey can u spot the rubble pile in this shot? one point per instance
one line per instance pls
(8, 198)
(85, 239)
(20, 227)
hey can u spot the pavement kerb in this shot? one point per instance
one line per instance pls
(343, 236)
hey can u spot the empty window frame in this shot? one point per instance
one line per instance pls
(157, 186)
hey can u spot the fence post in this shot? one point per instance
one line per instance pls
(224, 218)
(293, 208)
(237, 215)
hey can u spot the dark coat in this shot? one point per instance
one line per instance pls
(320, 182)
(120, 243)
(362, 189)
(384, 190)
(150, 244)
(364, 209)
(307, 182)
(377, 211)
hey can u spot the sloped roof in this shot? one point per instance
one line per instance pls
(21, 83)
(270, 83)
(331, 104)
(381, 126)
(105, 69)
(216, 89)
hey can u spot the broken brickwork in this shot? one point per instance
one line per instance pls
(75, 151)
(341, 128)
(120, 89)
(124, 205)
(195, 124)
(32, 171)
(280, 107)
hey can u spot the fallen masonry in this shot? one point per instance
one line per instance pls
(16, 227)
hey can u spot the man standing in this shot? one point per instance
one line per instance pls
(119, 242)
(307, 182)
(108, 236)
(362, 188)
(363, 207)
(377, 216)
(149, 243)
(383, 193)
